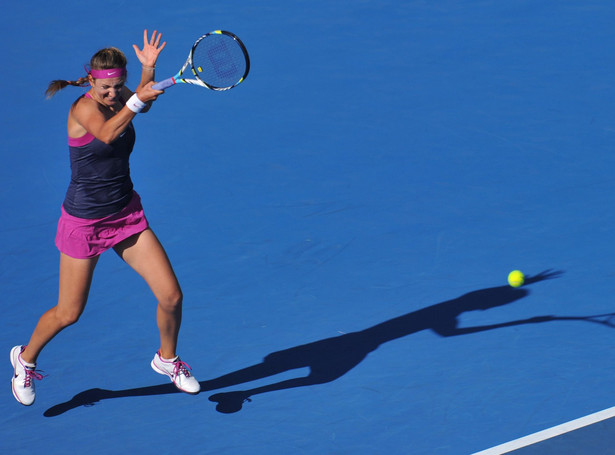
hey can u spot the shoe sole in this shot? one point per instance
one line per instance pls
(164, 373)
(13, 360)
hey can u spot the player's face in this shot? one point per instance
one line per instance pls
(108, 90)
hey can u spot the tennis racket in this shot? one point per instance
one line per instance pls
(218, 60)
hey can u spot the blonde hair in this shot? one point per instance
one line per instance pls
(107, 58)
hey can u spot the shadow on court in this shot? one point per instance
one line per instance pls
(331, 358)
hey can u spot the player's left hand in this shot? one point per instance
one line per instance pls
(151, 48)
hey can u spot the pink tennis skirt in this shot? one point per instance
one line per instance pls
(82, 238)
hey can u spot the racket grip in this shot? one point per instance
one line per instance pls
(164, 84)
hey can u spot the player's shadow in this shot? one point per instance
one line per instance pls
(331, 358)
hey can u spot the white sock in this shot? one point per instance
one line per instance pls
(26, 364)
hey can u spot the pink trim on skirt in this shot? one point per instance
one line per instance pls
(82, 238)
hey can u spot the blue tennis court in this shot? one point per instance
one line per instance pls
(342, 225)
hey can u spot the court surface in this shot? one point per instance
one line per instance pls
(342, 225)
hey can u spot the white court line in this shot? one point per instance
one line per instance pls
(549, 433)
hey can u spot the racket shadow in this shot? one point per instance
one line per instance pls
(331, 358)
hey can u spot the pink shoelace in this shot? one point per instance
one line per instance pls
(30, 375)
(180, 367)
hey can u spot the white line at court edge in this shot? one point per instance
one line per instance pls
(549, 433)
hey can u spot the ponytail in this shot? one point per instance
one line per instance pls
(107, 58)
(56, 86)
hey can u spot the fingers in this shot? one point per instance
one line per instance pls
(147, 93)
(151, 48)
(151, 86)
(154, 41)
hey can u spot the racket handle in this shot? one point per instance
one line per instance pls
(164, 84)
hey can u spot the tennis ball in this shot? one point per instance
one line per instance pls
(516, 278)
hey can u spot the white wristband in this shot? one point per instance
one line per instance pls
(135, 104)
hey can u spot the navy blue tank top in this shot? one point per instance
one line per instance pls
(100, 183)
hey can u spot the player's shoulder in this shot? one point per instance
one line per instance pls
(83, 101)
(85, 105)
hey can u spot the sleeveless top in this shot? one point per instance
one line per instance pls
(100, 183)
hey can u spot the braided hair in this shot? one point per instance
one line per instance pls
(107, 58)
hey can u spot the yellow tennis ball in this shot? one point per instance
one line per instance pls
(516, 278)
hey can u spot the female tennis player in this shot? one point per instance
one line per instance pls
(102, 211)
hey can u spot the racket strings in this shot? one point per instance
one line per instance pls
(219, 61)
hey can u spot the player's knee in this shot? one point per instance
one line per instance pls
(172, 301)
(68, 317)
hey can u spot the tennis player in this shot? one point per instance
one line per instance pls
(102, 211)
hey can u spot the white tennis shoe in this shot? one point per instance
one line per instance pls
(23, 378)
(178, 371)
